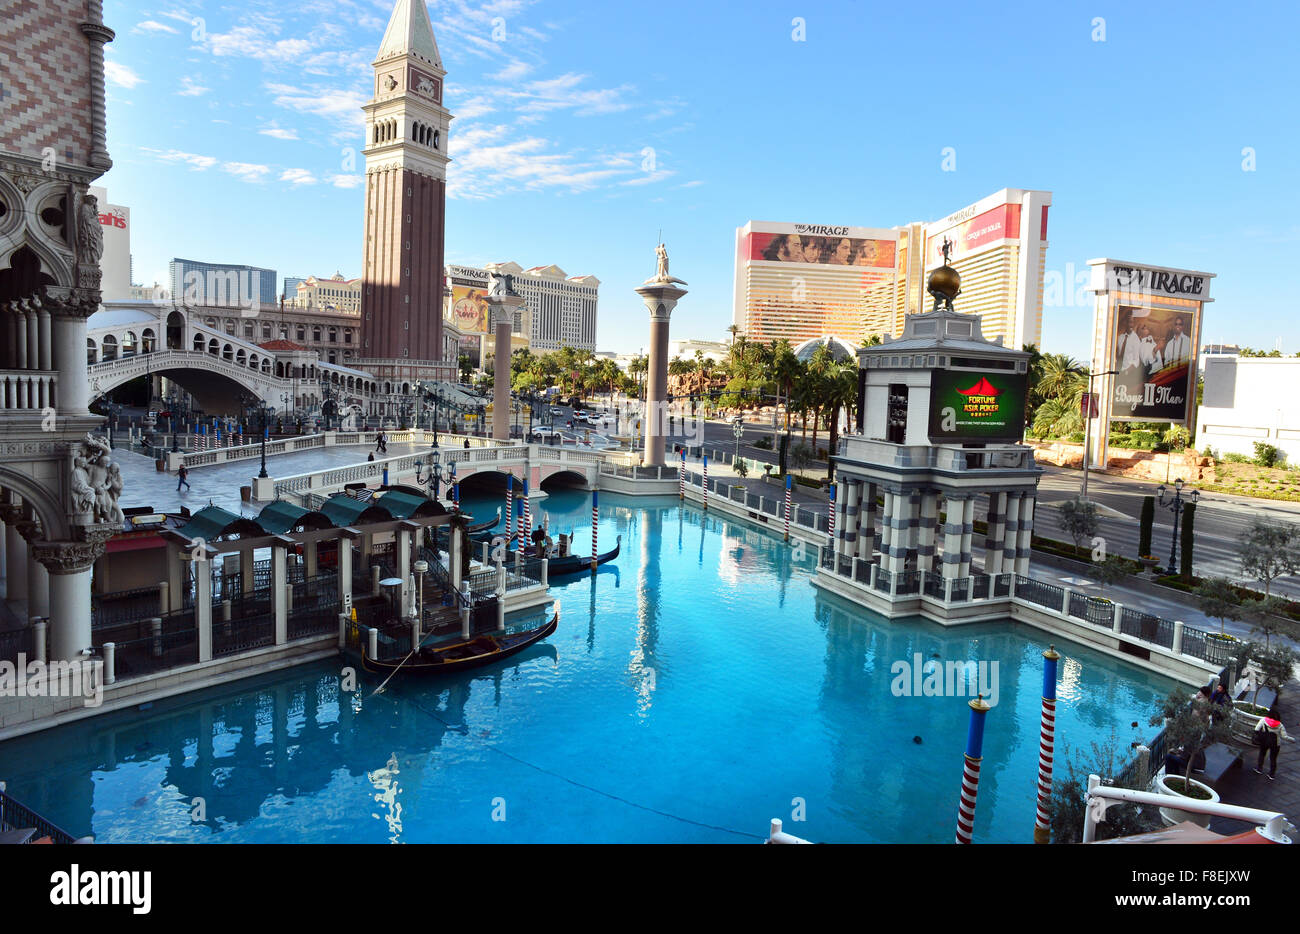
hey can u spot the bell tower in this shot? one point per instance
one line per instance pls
(406, 173)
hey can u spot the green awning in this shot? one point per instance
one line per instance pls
(212, 522)
(280, 517)
(344, 510)
(403, 505)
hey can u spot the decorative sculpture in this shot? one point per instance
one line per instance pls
(661, 276)
(102, 478)
(90, 235)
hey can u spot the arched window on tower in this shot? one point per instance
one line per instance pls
(435, 139)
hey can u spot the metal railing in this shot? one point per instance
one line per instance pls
(240, 635)
(14, 815)
(1039, 592)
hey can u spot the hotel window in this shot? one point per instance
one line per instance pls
(315, 335)
(302, 334)
(266, 332)
(248, 329)
(334, 335)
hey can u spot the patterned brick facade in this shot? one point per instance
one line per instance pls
(45, 80)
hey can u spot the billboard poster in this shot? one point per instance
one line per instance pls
(1154, 353)
(1000, 223)
(977, 405)
(823, 250)
(469, 309)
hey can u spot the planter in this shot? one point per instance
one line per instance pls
(1220, 649)
(1171, 815)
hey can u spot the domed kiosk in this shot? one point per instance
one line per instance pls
(941, 418)
(840, 349)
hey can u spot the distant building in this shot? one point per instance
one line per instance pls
(802, 281)
(686, 349)
(289, 287)
(333, 294)
(1248, 400)
(227, 285)
(558, 311)
(115, 261)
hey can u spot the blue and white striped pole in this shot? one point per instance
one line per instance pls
(789, 487)
(510, 504)
(595, 512)
(1046, 748)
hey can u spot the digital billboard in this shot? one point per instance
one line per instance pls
(469, 309)
(977, 405)
(822, 250)
(1000, 223)
(1154, 352)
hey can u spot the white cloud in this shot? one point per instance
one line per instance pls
(121, 75)
(346, 181)
(247, 171)
(253, 42)
(150, 25)
(330, 102)
(693, 184)
(297, 177)
(188, 158)
(279, 132)
(191, 88)
(649, 178)
(512, 72)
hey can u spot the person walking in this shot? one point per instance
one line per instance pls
(1269, 733)
(182, 478)
(381, 444)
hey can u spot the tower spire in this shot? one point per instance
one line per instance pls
(409, 32)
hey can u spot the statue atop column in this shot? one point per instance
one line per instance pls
(501, 284)
(661, 276)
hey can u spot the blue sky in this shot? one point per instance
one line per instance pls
(588, 127)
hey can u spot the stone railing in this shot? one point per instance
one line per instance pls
(29, 389)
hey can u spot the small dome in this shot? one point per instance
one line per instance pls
(840, 349)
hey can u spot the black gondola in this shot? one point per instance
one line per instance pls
(484, 526)
(481, 650)
(575, 564)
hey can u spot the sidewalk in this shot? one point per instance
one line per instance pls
(1243, 787)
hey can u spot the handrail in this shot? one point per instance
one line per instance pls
(1099, 795)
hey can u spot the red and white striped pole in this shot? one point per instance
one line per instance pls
(510, 504)
(595, 514)
(706, 483)
(528, 517)
(970, 776)
(681, 477)
(789, 486)
(1046, 748)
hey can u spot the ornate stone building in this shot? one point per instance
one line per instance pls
(58, 485)
(406, 186)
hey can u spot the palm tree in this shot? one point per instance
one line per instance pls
(787, 370)
(841, 393)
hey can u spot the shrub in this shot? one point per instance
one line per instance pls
(1266, 455)
(1189, 539)
(764, 443)
(1147, 519)
(1076, 437)
(1233, 458)
(1143, 439)
(1177, 437)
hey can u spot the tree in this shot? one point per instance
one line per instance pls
(465, 367)
(841, 393)
(1147, 520)
(1111, 571)
(1070, 789)
(1266, 616)
(1268, 550)
(1189, 728)
(1079, 519)
(1275, 669)
(1218, 600)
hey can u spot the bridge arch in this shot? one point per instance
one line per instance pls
(563, 478)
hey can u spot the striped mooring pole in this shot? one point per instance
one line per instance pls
(789, 486)
(1046, 747)
(681, 476)
(706, 482)
(528, 516)
(510, 504)
(970, 776)
(830, 516)
(455, 494)
(594, 515)
(519, 522)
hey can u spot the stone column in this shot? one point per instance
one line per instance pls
(967, 528)
(846, 523)
(175, 577)
(502, 309)
(98, 34)
(38, 589)
(1011, 533)
(404, 566)
(910, 530)
(345, 566)
(279, 588)
(925, 547)
(660, 298)
(248, 572)
(16, 551)
(954, 517)
(69, 565)
(869, 534)
(44, 336)
(203, 603)
(34, 345)
(996, 529)
(69, 350)
(1026, 533)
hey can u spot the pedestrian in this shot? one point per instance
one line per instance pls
(182, 477)
(1268, 734)
(467, 442)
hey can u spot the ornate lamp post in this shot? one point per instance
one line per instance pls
(262, 474)
(438, 474)
(739, 431)
(1176, 505)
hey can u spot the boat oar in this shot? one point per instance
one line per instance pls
(380, 689)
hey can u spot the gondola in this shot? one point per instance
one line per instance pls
(575, 564)
(485, 525)
(481, 650)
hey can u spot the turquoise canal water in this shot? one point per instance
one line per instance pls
(695, 688)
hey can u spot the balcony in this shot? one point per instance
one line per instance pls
(941, 457)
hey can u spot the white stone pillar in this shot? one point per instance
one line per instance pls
(248, 571)
(968, 527)
(1011, 533)
(869, 536)
(1026, 533)
(175, 578)
(280, 584)
(954, 513)
(660, 297)
(309, 558)
(38, 589)
(925, 547)
(997, 517)
(203, 605)
(404, 569)
(69, 612)
(846, 522)
(34, 343)
(44, 339)
(345, 571)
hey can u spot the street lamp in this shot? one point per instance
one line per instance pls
(1176, 505)
(438, 474)
(739, 431)
(1087, 429)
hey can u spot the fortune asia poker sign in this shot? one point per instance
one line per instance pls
(977, 405)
